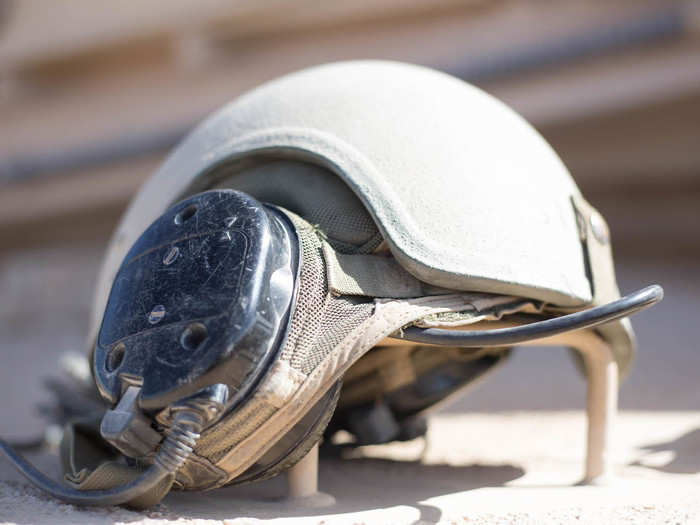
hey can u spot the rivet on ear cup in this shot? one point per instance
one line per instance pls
(157, 314)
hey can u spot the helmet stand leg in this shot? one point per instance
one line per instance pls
(598, 359)
(602, 384)
(302, 479)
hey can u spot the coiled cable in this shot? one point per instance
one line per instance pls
(178, 445)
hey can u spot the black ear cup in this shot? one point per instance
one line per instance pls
(203, 297)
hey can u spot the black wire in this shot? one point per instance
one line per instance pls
(115, 496)
(177, 446)
(595, 316)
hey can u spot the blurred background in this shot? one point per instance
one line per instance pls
(92, 98)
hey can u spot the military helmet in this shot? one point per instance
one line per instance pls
(344, 248)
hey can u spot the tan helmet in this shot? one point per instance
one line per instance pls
(330, 228)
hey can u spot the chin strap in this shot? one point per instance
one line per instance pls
(598, 315)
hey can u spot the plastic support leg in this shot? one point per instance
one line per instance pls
(602, 379)
(303, 483)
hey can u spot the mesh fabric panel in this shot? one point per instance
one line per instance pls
(319, 322)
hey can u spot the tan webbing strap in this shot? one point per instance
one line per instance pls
(373, 276)
(368, 275)
(89, 464)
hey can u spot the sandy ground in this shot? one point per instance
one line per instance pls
(516, 467)
(510, 452)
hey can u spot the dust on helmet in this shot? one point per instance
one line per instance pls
(291, 267)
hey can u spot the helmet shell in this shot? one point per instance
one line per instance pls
(466, 193)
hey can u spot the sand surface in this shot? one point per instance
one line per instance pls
(505, 468)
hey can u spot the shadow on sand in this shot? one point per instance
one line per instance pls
(686, 450)
(359, 484)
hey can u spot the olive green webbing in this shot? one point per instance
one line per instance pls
(88, 464)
